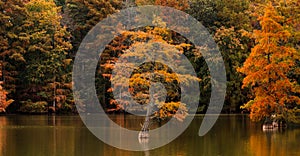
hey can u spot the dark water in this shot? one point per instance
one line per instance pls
(66, 136)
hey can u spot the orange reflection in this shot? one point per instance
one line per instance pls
(3, 123)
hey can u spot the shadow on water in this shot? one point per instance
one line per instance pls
(67, 135)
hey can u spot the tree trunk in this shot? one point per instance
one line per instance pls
(144, 133)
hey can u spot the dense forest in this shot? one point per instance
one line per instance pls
(259, 41)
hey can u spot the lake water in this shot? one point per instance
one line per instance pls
(232, 135)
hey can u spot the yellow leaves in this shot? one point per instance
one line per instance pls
(183, 46)
(43, 11)
(139, 36)
(144, 43)
(158, 22)
(177, 4)
(228, 39)
(140, 80)
(17, 57)
(172, 109)
(67, 61)
(169, 77)
(245, 33)
(248, 105)
(12, 35)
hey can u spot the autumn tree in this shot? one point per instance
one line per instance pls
(80, 16)
(121, 46)
(12, 42)
(45, 67)
(267, 70)
(4, 103)
(234, 51)
(226, 21)
(290, 9)
(155, 72)
(12, 49)
(132, 44)
(3, 98)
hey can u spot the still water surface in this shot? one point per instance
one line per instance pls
(232, 135)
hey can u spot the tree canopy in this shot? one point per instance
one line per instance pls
(267, 69)
(259, 42)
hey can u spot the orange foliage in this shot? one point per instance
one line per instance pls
(267, 68)
(3, 99)
(178, 4)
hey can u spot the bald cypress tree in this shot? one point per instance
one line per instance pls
(267, 69)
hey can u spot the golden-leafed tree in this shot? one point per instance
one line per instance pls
(45, 70)
(132, 44)
(267, 70)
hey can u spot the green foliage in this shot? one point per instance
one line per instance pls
(60, 2)
(46, 52)
(34, 107)
(80, 16)
(292, 115)
(214, 14)
(39, 39)
(226, 20)
(48, 43)
(167, 110)
(34, 51)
